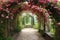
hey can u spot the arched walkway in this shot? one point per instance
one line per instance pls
(28, 33)
(48, 16)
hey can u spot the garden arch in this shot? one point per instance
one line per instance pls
(43, 14)
(14, 11)
(23, 15)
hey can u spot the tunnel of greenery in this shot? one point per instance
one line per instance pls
(27, 19)
(16, 16)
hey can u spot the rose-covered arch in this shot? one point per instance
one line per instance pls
(39, 11)
(12, 9)
(42, 13)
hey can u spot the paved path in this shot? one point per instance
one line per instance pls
(29, 34)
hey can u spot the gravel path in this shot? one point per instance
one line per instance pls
(29, 34)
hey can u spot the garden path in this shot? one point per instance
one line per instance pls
(29, 34)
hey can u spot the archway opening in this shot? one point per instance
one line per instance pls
(27, 20)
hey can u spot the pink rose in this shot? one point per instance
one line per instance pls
(1, 7)
(42, 1)
(47, 0)
(11, 0)
(13, 11)
(7, 17)
(7, 5)
(2, 15)
(58, 24)
(55, 1)
(41, 10)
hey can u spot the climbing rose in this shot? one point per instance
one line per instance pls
(11, 0)
(7, 5)
(7, 10)
(41, 10)
(7, 17)
(1, 7)
(5, 0)
(58, 24)
(2, 15)
(47, 0)
(13, 11)
(42, 1)
(55, 1)
(34, 6)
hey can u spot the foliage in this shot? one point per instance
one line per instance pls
(9, 38)
(36, 26)
(18, 27)
(2, 27)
